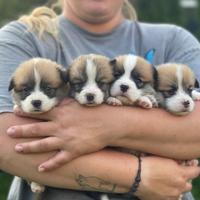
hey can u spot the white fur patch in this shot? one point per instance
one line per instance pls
(47, 103)
(133, 93)
(196, 95)
(175, 103)
(91, 86)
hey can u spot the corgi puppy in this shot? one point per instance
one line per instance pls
(37, 86)
(134, 82)
(176, 83)
(90, 77)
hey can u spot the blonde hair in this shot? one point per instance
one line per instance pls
(40, 20)
(44, 19)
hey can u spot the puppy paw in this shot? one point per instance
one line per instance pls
(195, 95)
(145, 102)
(153, 101)
(37, 188)
(113, 101)
(180, 197)
(193, 162)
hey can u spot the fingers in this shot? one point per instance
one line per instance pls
(188, 187)
(42, 116)
(40, 146)
(40, 129)
(66, 101)
(191, 172)
(58, 160)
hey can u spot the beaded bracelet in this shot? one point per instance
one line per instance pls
(136, 183)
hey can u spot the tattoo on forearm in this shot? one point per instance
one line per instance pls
(95, 183)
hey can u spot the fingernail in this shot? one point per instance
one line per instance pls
(11, 131)
(19, 148)
(41, 169)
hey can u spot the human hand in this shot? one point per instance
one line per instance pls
(165, 179)
(70, 129)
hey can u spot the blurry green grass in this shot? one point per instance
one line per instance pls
(5, 180)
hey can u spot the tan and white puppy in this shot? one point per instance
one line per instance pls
(176, 83)
(37, 86)
(90, 77)
(134, 82)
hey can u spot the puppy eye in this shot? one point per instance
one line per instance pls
(117, 74)
(190, 89)
(170, 92)
(101, 83)
(139, 82)
(50, 90)
(78, 84)
(25, 89)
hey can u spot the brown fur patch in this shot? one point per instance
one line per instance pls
(47, 69)
(142, 67)
(167, 74)
(77, 70)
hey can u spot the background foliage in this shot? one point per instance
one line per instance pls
(167, 11)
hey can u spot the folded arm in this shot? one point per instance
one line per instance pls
(103, 171)
(80, 130)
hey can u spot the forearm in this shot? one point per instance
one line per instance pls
(99, 174)
(157, 132)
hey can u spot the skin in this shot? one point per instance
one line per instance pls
(97, 16)
(91, 130)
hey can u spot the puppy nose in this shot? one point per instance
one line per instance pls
(90, 97)
(36, 103)
(186, 104)
(124, 88)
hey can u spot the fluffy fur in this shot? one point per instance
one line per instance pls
(90, 77)
(134, 82)
(38, 85)
(176, 83)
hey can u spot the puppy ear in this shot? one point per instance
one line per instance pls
(113, 61)
(64, 74)
(155, 76)
(11, 85)
(196, 84)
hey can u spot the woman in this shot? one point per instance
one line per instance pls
(91, 26)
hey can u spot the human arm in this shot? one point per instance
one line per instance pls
(86, 130)
(111, 171)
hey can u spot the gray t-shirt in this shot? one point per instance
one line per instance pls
(17, 44)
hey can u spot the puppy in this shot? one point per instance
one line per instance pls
(37, 86)
(134, 82)
(176, 83)
(90, 77)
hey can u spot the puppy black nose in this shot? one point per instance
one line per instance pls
(186, 104)
(90, 97)
(36, 103)
(124, 88)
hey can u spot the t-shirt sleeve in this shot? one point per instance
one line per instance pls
(184, 48)
(16, 46)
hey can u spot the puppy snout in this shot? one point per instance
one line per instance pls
(36, 103)
(124, 88)
(90, 97)
(186, 104)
